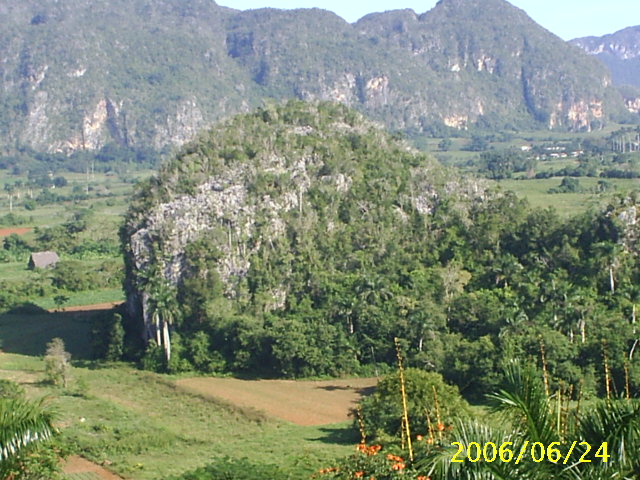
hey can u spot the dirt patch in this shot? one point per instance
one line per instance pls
(299, 402)
(88, 308)
(76, 464)
(5, 232)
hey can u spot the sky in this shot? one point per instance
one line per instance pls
(566, 18)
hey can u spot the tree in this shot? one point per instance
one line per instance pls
(57, 363)
(164, 310)
(445, 144)
(428, 396)
(536, 417)
(60, 300)
(10, 189)
(498, 164)
(477, 144)
(567, 185)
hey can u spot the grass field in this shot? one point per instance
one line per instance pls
(147, 426)
(567, 204)
(108, 197)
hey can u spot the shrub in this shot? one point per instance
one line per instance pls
(382, 411)
(154, 358)
(11, 220)
(236, 469)
(10, 389)
(72, 276)
(107, 337)
(16, 245)
(57, 366)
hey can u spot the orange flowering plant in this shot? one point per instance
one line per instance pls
(372, 462)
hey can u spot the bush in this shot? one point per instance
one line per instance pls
(57, 366)
(16, 245)
(9, 389)
(72, 276)
(236, 469)
(12, 220)
(154, 358)
(568, 185)
(382, 411)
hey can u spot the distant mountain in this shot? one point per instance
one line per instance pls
(620, 51)
(79, 74)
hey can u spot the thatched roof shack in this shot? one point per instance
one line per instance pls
(43, 260)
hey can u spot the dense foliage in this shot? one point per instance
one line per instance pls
(537, 432)
(430, 402)
(468, 280)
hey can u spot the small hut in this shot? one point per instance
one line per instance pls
(43, 260)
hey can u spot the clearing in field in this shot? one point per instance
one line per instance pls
(5, 232)
(299, 402)
(78, 468)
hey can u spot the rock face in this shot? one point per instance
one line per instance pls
(620, 51)
(256, 185)
(79, 74)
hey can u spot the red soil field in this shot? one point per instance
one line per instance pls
(5, 232)
(300, 402)
(76, 464)
(89, 308)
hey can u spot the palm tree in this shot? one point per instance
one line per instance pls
(22, 424)
(536, 417)
(164, 311)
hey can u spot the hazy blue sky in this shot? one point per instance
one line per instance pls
(566, 18)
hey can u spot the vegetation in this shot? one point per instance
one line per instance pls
(466, 281)
(361, 242)
(25, 428)
(57, 363)
(605, 438)
(201, 63)
(429, 398)
(537, 417)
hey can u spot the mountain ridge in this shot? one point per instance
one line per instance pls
(619, 51)
(79, 75)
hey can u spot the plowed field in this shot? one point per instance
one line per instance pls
(5, 232)
(299, 402)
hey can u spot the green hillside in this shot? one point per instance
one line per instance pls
(300, 240)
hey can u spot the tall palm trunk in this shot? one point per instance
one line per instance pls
(166, 339)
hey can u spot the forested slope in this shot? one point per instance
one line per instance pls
(78, 75)
(300, 240)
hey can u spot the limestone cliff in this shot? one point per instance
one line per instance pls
(79, 74)
(255, 186)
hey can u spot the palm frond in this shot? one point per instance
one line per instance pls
(438, 462)
(524, 399)
(21, 423)
(617, 423)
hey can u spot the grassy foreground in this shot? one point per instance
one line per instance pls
(141, 425)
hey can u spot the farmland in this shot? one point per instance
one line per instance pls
(79, 221)
(145, 426)
(300, 402)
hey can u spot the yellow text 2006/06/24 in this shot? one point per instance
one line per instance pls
(555, 452)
